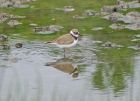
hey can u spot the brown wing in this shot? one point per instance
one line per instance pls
(65, 39)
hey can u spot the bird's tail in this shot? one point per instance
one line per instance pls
(48, 42)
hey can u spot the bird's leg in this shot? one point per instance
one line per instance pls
(64, 53)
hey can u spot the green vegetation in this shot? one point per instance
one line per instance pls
(42, 12)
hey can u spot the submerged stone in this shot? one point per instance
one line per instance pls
(18, 45)
(111, 45)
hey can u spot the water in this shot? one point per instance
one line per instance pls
(24, 75)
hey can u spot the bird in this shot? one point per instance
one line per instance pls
(66, 40)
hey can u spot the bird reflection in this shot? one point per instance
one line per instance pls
(65, 65)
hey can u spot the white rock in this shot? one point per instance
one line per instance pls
(97, 28)
(13, 23)
(117, 26)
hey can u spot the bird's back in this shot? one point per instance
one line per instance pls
(65, 39)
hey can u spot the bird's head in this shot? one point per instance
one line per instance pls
(75, 33)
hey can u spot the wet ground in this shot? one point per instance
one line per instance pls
(26, 76)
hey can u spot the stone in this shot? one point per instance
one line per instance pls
(3, 38)
(17, 17)
(78, 17)
(110, 9)
(3, 17)
(97, 28)
(66, 9)
(13, 23)
(135, 26)
(90, 13)
(18, 45)
(136, 47)
(121, 4)
(131, 17)
(135, 40)
(14, 3)
(137, 36)
(117, 26)
(33, 24)
(111, 45)
(114, 17)
(47, 29)
(134, 4)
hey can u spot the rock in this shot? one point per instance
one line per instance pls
(137, 36)
(131, 17)
(14, 3)
(111, 45)
(5, 46)
(78, 17)
(55, 28)
(17, 17)
(137, 47)
(13, 23)
(97, 28)
(18, 45)
(90, 13)
(134, 4)
(121, 4)
(97, 42)
(135, 26)
(3, 17)
(66, 9)
(33, 24)
(47, 29)
(3, 38)
(135, 40)
(3, 42)
(117, 26)
(114, 17)
(110, 9)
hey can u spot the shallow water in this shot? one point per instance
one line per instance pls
(24, 75)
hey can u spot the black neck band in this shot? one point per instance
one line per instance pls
(74, 37)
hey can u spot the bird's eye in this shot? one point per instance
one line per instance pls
(76, 32)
